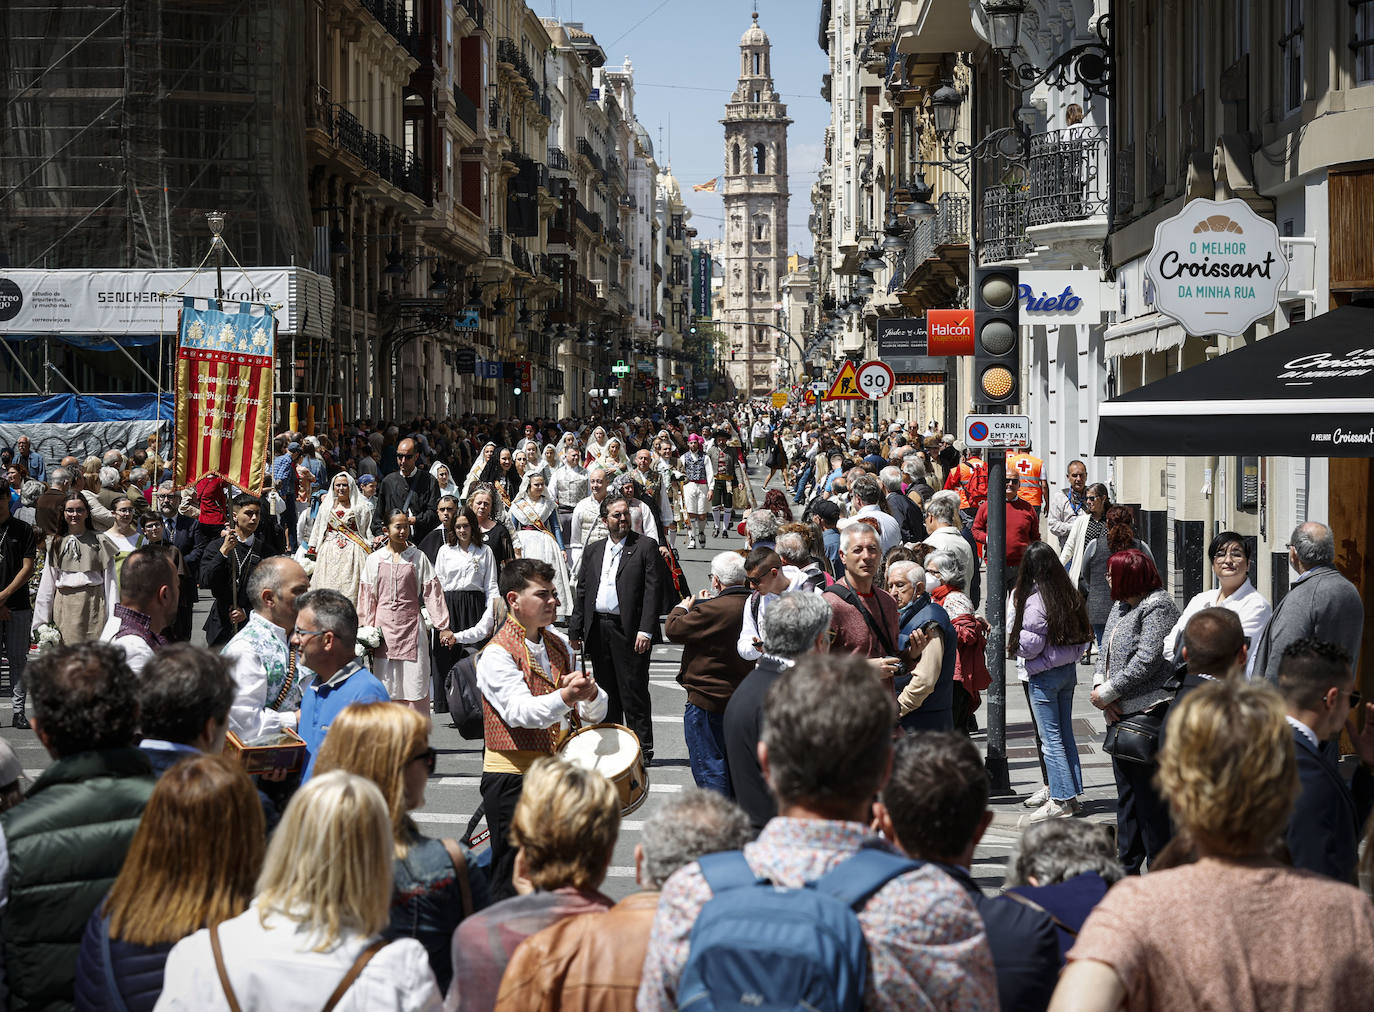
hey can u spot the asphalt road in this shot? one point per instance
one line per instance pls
(454, 795)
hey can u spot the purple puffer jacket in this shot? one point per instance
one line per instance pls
(1041, 655)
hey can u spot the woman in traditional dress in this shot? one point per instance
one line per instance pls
(533, 522)
(493, 533)
(77, 591)
(443, 478)
(125, 536)
(613, 460)
(501, 475)
(534, 462)
(596, 445)
(397, 581)
(549, 455)
(467, 574)
(475, 472)
(339, 537)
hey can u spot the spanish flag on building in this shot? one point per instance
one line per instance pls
(709, 186)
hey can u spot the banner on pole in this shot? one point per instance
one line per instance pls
(224, 394)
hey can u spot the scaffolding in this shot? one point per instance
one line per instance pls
(122, 123)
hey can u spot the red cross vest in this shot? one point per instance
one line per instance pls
(1027, 468)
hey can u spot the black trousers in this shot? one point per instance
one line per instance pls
(624, 675)
(500, 792)
(1142, 816)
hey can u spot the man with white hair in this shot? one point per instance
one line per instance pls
(586, 527)
(708, 627)
(903, 510)
(760, 528)
(925, 692)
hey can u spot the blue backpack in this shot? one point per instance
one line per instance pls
(758, 947)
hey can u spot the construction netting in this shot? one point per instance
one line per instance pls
(121, 124)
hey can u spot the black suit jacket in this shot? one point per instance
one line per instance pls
(908, 515)
(636, 585)
(1024, 944)
(1329, 815)
(421, 490)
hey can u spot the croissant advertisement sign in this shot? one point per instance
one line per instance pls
(1217, 267)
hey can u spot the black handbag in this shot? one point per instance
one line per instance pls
(1135, 737)
(464, 698)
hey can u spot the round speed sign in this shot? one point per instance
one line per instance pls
(875, 380)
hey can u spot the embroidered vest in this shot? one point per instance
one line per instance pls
(694, 467)
(500, 736)
(725, 464)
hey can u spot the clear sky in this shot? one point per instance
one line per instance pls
(686, 62)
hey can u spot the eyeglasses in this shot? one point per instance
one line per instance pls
(1231, 554)
(1090, 498)
(427, 757)
(307, 633)
(754, 581)
(1355, 699)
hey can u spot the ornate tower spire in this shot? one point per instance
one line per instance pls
(755, 200)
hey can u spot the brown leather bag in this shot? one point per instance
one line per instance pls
(363, 959)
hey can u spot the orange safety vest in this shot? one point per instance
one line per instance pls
(1027, 468)
(971, 482)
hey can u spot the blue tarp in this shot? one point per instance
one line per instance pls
(70, 409)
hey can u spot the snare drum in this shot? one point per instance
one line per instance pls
(613, 751)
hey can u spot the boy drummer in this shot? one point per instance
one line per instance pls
(529, 691)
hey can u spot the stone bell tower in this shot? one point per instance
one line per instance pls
(755, 200)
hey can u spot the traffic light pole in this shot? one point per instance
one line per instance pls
(995, 611)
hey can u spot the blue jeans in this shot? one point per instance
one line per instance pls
(803, 477)
(704, 732)
(1051, 694)
(1098, 630)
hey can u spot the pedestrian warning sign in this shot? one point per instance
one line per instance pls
(846, 385)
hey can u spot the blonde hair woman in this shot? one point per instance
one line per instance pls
(564, 828)
(1236, 929)
(314, 929)
(435, 884)
(205, 811)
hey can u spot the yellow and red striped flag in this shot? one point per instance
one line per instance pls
(709, 186)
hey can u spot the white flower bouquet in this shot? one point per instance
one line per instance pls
(369, 641)
(46, 637)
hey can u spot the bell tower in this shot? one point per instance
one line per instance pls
(755, 202)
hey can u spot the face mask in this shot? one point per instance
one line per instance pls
(933, 581)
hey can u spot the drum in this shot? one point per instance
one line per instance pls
(613, 751)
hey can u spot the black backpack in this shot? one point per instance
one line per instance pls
(464, 698)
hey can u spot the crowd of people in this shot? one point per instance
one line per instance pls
(517, 575)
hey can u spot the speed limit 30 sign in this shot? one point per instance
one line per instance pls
(875, 380)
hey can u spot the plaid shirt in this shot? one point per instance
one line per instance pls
(284, 477)
(926, 945)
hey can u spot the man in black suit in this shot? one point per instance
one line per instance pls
(411, 488)
(615, 614)
(226, 567)
(1328, 818)
(935, 806)
(167, 525)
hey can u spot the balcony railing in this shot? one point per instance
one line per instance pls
(1125, 177)
(1005, 217)
(497, 242)
(590, 219)
(464, 108)
(391, 15)
(475, 10)
(584, 148)
(391, 163)
(558, 160)
(1068, 175)
(520, 257)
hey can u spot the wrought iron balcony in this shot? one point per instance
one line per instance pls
(391, 15)
(464, 108)
(558, 161)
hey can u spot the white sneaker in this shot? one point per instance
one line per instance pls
(1049, 810)
(691, 542)
(1037, 799)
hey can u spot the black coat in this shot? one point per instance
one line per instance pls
(908, 515)
(217, 576)
(1329, 815)
(636, 585)
(743, 725)
(1024, 944)
(419, 495)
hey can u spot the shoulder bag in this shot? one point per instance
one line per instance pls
(847, 594)
(363, 959)
(1135, 737)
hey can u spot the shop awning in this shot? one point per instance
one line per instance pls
(1305, 392)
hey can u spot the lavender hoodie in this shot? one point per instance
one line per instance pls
(1040, 654)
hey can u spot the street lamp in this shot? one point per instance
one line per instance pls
(945, 106)
(893, 239)
(921, 207)
(1004, 24)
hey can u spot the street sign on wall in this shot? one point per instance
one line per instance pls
(875, 380)
(701, 283)
(846, 385)
(949, 331)
(997, 430)
(904, 336)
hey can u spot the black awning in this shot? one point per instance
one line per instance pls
(1305, 392)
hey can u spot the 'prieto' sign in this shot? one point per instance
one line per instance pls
(1217, 267)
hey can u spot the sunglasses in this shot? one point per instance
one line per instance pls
(754, 581)
(427, 757)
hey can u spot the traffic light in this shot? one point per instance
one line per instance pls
(997, 337)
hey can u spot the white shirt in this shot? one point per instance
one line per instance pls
(752, 629)
(137, 652)
(890, 532)
(568, 485)
(1248, 603)
(275, 967)
(1303, 729)
(607, 598)
(503, 686)
(249, 716)
(471, 568)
